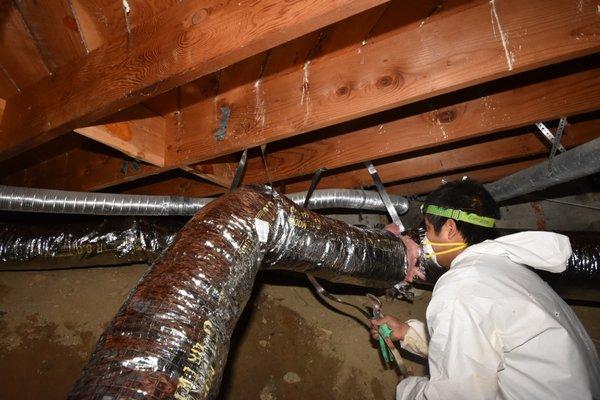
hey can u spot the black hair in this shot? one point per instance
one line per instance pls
(469, 196)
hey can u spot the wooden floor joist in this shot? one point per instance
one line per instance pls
(466, 156)
(54, 30)
(22, 46)
(81, 170)
(446, 53)
(179, 186)
(180, 44)
(303, 99)
(564, 96)
(417, 168)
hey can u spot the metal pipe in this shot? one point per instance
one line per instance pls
(66, 202)
(576, 163)
(348, 198)
(171, 337)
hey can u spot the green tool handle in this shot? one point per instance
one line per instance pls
(384, 333)
(390, 354)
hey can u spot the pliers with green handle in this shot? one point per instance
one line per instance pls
(388, 350)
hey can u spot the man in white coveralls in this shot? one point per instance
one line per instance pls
(495, 329)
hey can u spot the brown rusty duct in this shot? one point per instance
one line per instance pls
(171, 337)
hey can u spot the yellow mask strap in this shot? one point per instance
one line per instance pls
(455, 246)
(439, 253)
(447, 244)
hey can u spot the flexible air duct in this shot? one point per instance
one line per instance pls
(65, 202)
(171, 337)
(94, 241)
(118, 240)
(575, 163)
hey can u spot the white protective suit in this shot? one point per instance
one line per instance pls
(498, 331)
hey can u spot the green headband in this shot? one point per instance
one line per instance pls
(461, 216)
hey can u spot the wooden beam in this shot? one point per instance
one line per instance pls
(179, 186)
(415, 172)
(182, 43)
(217, 179)
(19, 55)
(574, 94)
(81, 169)
(8, 87)
(54, 29)
(564, 96)
(140, 11)
(456, 158)
(191, 188)
(476, 43)
(219, 171)
(136, 131)
(482, 175)
(100, 21)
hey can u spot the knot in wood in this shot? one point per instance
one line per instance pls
(384, 81)
(199, 16)
(446, 116)
(342, 91)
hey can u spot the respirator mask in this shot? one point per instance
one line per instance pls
(428, 262)
(431, 254)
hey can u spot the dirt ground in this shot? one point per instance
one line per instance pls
(287, 345)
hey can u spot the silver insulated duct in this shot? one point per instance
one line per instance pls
(576, 163)
(67, 202)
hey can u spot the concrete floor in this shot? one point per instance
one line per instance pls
(287, 344)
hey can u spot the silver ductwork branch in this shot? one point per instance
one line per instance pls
(67, 202)
(576, 163)
(348, 198)
(171, 337)
(100, 241)
(93, 241)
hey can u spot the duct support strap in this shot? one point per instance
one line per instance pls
(171, 337)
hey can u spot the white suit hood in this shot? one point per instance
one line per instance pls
(546, 251)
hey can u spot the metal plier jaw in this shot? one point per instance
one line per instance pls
(403, 291)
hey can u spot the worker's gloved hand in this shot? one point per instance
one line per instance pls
(412, 250)
(398, 327)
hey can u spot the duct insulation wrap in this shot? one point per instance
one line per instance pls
(575, 163)
(98, 241)
(171, 337)
(81, 243)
